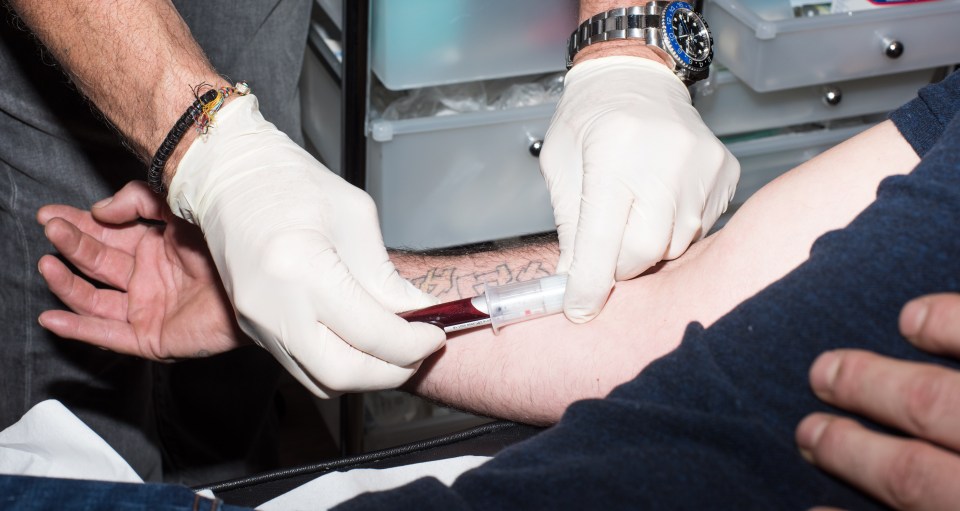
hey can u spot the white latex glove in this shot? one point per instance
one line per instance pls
(301, 256)
(634, 175)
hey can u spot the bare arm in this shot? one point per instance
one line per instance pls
(532, 371)
(136, 61)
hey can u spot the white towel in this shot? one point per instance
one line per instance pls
(50, 441)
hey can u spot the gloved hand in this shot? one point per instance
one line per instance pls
(634, 175)
(300, 254)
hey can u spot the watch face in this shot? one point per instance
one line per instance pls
(687, 36)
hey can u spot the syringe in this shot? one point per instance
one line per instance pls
(498, 306)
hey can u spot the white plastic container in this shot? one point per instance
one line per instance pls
(770, 50)
(418, 43)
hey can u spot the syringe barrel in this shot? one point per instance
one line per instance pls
(521, 301)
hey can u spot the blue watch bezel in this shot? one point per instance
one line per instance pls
(677, 52)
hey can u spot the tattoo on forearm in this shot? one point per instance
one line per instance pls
(454, 283)
(452, 274)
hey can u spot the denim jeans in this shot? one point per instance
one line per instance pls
(20, 493)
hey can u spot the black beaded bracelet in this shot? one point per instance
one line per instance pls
(155, 173)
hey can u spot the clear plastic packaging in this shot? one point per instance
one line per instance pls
(460, 98)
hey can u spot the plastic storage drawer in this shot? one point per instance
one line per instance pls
(459, 179)
(418, 43)
(440, 181)
(452, 180)
(729, 106)
(769, 49)
(447, 181)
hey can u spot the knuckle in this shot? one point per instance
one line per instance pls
(907, 478)
(247, 306)
(282, 256)
(926, 402)
(361, 203)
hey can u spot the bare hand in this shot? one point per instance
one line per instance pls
(922, 400)
(164, 299)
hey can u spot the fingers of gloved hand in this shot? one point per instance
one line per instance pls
(724, 188)
(133, 201)
(603, 214)
(305, 262)
(932, 323)
(78, 294)
(95, 259)
(338, 367)
(113, 335)
(561, 165)
(920, 399)
(648, 232)
(904, 473)
(709, 182)
(705, 197)
(360, 320)
(360, 246)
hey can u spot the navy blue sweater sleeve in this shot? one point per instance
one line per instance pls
(711, 425)
(923, 120)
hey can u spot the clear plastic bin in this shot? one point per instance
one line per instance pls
(764, 45)
(459, 179)
(418, 43)
(729, 106)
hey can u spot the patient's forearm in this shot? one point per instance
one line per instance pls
(450, 275)
(532, 371)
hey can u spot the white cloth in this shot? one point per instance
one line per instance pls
(331, 489)
(50, 441)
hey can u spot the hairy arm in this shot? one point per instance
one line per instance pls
(532, 371)
(136, 61)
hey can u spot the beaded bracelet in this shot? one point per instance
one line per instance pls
(200, 114)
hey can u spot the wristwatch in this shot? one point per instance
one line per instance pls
(674, 30)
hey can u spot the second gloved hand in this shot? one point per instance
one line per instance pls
(634, 175)
(300, 254)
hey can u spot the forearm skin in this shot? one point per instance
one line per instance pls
(532, 371)
(137, 62)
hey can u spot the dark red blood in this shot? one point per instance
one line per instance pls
(446, 314)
